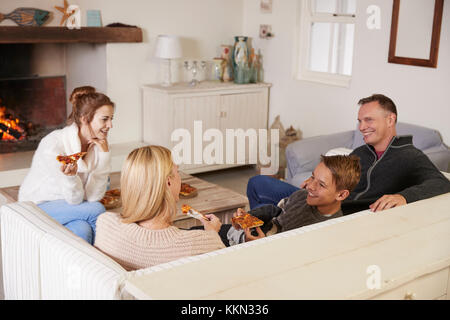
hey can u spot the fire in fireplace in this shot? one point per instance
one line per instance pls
(30, 108)
(10, 127)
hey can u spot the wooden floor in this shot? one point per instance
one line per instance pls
(235, 178)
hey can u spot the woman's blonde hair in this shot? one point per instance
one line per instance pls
(144, 189)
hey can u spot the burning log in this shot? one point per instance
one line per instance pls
(12, 132)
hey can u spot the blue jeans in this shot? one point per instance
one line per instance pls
(80, 218)
(262, 190)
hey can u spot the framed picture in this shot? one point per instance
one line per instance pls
(266, 6)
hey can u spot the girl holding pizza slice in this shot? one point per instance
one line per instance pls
(69, 190)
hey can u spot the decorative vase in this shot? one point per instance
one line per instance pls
(253, 64)
(240, 58)
(227, 64)
(228, 74)
(240, 51)
(225, 52)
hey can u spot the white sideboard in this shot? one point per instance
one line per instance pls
(218, 105)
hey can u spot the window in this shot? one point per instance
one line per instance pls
(325, 41)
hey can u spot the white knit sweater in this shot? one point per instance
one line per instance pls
(45, 180)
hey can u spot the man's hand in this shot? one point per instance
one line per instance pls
(250, 237)
(388, 201)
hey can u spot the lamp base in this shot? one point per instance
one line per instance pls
(167, 72)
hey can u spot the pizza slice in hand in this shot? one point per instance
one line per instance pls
(70, 159)
(246, 220)
(187, 210)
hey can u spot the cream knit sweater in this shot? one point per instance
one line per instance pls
(46, 182)
(135, 247)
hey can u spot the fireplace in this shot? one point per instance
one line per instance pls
(30, 108)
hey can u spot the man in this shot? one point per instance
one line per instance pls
(393, 171)
(331, 182)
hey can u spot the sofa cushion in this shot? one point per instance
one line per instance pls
(423, 138)
(60, 264)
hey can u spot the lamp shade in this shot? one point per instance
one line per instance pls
(168, 47)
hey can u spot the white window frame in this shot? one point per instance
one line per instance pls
(303, 36)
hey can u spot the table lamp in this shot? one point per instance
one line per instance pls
(167, 47)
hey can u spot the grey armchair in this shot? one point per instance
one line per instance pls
(303, 156)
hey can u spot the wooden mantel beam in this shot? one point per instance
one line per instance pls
(13, 34)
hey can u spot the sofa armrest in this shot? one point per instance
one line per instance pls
(44, 260)
(304, 155)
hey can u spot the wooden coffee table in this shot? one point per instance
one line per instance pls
(211, 198)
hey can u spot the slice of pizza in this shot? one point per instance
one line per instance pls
(187, 210)
(70, 158)
(246, 220)
(187, 191)
(111, 199)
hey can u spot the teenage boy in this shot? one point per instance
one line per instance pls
(320, 199)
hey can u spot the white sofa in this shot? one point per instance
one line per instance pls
(43, 260)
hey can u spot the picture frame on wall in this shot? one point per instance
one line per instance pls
(266, 6)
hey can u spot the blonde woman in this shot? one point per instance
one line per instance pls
(143, 235)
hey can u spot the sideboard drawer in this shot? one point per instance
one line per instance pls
(428, 287)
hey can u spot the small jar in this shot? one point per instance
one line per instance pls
(217, 69)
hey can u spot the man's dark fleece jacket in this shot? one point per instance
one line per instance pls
(402, 169)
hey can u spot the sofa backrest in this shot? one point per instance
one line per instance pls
(423, 138)
(44, 260)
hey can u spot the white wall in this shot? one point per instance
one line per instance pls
(203, 25)
(421, 94)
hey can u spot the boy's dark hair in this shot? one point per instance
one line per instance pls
(346, 170)
(384, 102)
